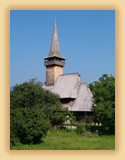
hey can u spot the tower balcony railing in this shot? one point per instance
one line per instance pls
(54, 62)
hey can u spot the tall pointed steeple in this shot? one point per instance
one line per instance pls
(54, 62)
(54, 49)
(55, 43)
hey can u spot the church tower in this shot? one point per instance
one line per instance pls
(54, 62)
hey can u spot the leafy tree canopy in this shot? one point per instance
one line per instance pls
(27, 125)
(33, 110)
(104, 102)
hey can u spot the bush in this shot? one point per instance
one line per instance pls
(31, 107)
(81, 128)
(64, 132)
(27, 125)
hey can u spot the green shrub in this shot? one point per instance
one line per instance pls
(30, 94)
(27, 125)
(31, 109)
(81, 128)
(13, 138)
(99, 130)
(64, 132)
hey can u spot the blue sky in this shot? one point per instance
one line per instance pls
(86, 40)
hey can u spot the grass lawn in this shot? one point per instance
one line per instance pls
(70, 141)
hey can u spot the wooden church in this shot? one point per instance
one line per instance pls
(74, 94)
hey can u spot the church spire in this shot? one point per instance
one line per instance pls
(54, 49)
(54, 62)
(55, 42)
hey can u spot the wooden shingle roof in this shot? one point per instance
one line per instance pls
(83, 101)
(66, 85)
(70, 86)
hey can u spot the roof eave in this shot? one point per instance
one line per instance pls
(61, 57)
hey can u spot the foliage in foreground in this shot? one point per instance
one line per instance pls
(32, 111)
(81, 129)
(28, 125)
(69, 140)
(104, 103)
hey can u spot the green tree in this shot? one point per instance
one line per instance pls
(104, 102)
(27, 94)
(31, 108)
(27, 125)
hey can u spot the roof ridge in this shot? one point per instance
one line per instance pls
(69, 74)
(84, 83)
